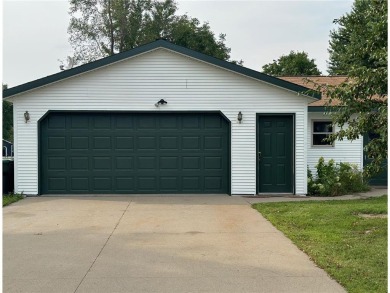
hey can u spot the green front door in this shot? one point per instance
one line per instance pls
(129, 153)
(381, 178)
(275, 154)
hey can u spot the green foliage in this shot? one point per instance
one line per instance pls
(351, 248)
(333, 179)
(358, 48)
(99, 28)
(354, 31)
(293, 64)
(11, 198)
(188, 32)
(8, 124)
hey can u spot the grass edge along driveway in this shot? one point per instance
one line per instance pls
(348, 239)
(11, 198)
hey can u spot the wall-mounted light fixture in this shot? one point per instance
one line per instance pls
(161, 102)
(26, 116)
(239, 117)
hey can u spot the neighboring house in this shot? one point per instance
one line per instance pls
(319, 125)
(8, 149)
(163, 119)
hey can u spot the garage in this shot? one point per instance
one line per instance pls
(134, 153)
(157, 119)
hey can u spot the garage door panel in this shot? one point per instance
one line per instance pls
(193, 122)
(79, 184)
(124, 143)
(102, 184)
(102, 122)
(57, 122)
(101, 163)
(125, 184)
(213, 162)
(169, 123)
(191, 142)
(124, 163)
(191, 163)
(102, 143)
(79, 163)
(169, 163)
(57, 143)
(147, 122)
(147, 183)
(78, 122)
(213, 122)
(168, 143)
(213, 142)
(57, 184)
(192, 184)
(124, 122)
(212, 183)
(169, 184)
(133, 153)
(147, 143)
(146, 162)
(79, 143)
(56, 163)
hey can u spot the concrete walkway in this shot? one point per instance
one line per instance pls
(374, 192)
(150, 244)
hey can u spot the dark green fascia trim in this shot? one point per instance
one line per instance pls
(151, 46)
(321, 109)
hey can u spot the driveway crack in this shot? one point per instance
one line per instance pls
(112, 232)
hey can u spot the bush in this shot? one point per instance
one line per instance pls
(333, 179)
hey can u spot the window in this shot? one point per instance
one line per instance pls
(321, 130)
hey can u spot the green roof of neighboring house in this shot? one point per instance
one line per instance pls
(151, 46)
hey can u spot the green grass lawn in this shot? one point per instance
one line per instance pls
(348, 238)
(10, 198)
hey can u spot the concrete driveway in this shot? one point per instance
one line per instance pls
(150, 244)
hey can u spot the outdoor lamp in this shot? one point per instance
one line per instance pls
(239, 117)
(26, 116)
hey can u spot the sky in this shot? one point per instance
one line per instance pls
(35, 34)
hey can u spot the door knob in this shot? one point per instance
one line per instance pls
(259, 156)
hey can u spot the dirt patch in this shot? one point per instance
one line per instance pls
(373, 216)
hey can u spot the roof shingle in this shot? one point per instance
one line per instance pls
(308, 81)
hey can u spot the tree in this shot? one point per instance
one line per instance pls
(340, 60)
(188, 32)
(358, 48)
(293, 64)
(100, 28)
(8, 129)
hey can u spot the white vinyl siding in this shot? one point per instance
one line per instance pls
(187, 84)
(342, 151)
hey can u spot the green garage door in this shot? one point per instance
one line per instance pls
(128, 153)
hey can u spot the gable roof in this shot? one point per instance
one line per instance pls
(307, 81)
(152, 46)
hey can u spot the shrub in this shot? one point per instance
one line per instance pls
(333, 179)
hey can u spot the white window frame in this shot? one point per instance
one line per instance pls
(313, 133)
